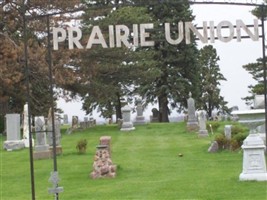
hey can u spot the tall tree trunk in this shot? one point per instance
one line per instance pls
(163, 108)
(118, 108)
(110, 109)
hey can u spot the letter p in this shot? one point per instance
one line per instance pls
(57, 38)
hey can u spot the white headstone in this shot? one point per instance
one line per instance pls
(57, 132)
(127, 125)
(26, 126)
(202, 123)
(41, 144)
(13, 133)
(228, 131)
(65, 119)
(254, 164)
(50, 130)
(259, 102)
(140, 119)
(192, 123)
(75, 122)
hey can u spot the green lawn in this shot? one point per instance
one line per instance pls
(149, 168)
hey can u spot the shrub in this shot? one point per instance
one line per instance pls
(234, 145)
(215, 125)
(221, 140)
(239, 138)
(81, 146)
(239, 134)
(237, 129)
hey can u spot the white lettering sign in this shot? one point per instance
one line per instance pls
(141, 35)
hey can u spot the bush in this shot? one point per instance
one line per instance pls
(215, 125)
(81, 146)
(234, 145)
(221, 140)
(239, 134)
(237, 129)
(239, 138)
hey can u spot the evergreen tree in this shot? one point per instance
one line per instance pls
(176, 64)
(109, 73)
(210, 98)
(256, 70)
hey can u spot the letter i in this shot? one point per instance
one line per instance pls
(111, 36)
(212, 32)
(135, 35)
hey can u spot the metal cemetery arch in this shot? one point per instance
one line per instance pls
(54, 174)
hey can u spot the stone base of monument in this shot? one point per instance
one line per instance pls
(106, 141)
(39, 148)
(192, 126)
(263, 137)
(27, 142)
(127, 126)
(37, 155)
(13, 145)
(203, 133)
(253, 177)
(140, 120)
(254, 164)
(58, 150)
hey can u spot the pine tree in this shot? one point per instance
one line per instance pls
(210, 98)
(176, 64)
(109, 72)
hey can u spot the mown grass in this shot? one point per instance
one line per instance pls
(149, 168)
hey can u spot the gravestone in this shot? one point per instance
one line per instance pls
(26, 131)
(58, 137)
(192, 123)
(228, 131)
(127, 125)
(254, 164)
(261, 132)
(259, 104)
(41, 147)
(92, 122)
(65, 119)
(103, 166)
(119, 122)
(41, 144)
(57, 133)
(155, 115)
(82, 125)
(140, 119)
(214, 147)
(106, 140)
(75, 122)
(202, 124)
(13, 141)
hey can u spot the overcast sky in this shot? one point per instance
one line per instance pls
(233, 55)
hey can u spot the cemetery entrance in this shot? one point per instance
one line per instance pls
(70, 38)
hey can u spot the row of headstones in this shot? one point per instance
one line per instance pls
(76, 125)
(42, 129)
(87, 123)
